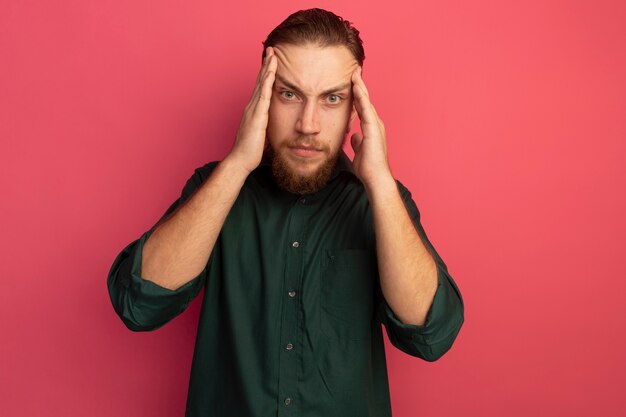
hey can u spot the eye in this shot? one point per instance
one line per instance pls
(334, 99)
(289, 95)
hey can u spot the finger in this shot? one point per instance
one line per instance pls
(359, 80)
(362, 103)
(361, 84)
(269, 52)
(265, 94)
(263, 78)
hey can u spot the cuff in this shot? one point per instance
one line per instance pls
(443, 322)
(140, 303)
(150, 289)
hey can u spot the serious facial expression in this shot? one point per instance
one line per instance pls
(310, 112)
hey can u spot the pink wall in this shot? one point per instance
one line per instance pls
(505, 119)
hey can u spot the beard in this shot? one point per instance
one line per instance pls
(296, 183)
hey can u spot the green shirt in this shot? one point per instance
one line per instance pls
(291, 317)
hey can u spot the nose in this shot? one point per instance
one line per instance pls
(308, 122)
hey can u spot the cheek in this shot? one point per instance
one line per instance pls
(282, 115)
(336, 119)
(280, 122)
(272, 109)
(274, 113)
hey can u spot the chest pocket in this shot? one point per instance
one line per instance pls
(347, 282)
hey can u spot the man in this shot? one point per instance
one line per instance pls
(302, 253)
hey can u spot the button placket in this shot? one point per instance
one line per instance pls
(290, 328)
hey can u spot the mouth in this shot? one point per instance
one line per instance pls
(303, 151)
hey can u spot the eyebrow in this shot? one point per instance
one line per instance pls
(325, 92)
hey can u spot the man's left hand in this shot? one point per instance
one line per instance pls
(370, 147)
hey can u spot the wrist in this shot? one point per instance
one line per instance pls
(236, 168)
(380, 182)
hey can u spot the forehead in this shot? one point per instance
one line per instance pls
(313, 68)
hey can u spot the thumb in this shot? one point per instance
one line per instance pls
(356, 141)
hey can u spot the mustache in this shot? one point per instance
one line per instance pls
(307, 142)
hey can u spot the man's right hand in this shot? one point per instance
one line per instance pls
(179, 248)
(249, 143)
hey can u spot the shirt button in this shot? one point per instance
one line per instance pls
(289, 346)
(296, 244)
(302, 200)
(292, 294)
(287, 401)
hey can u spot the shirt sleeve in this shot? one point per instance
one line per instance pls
(141, 304)
(445, 317)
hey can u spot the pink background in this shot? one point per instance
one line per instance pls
(505, 119)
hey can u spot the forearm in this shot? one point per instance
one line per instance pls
(408, 273)
(179, 248)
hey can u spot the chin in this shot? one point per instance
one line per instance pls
(303, 167)
(300, 175)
